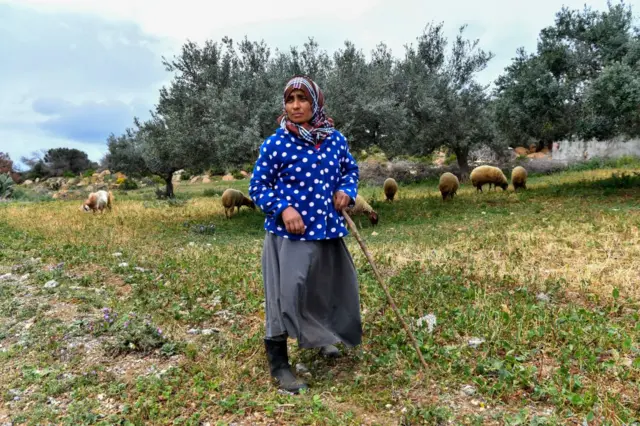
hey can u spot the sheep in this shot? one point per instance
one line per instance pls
(390, 188)
(97, 201)
(488, 174)
(232, 198)
(519, 178)
(362, 207)
(448, 185)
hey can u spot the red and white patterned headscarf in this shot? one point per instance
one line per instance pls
(320, 126)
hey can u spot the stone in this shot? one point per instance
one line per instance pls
(51, 284)
(194, 179)
(542, 297)
(123, 265)
(243, 173)
(27, 182)
(521, 151)
(301, 368)
(6, 277)
(117, 254)
(177, 175)
(228, 177)
(474, 342)
(206, 179)
(468, 390)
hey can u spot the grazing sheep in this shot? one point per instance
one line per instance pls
(488, 175)
(232, 198)
(390, 188)
(97, 201)
(362, 207)
(449, 185)
(519, 178)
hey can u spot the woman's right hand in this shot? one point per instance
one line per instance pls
(293, 221)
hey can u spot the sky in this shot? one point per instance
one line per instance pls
(74, 71)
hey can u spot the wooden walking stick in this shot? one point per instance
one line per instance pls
(384, 287)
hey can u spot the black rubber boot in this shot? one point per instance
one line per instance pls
(280, 368)
(330, 351)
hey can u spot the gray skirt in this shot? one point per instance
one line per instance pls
(311, 292)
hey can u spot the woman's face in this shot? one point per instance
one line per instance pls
(298, 107)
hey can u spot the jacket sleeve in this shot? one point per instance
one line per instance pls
(263, 181)
(350, 174)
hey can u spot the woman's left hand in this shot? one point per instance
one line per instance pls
(341, 200)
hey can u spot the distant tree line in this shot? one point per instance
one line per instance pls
(57, 162)
(583, 81)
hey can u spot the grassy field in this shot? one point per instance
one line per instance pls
(146, 316)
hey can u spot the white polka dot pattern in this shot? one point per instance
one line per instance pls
(301, 175)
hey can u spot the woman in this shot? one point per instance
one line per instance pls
(303, 178)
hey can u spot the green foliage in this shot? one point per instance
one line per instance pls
(224, 96)
(125, 154)
(128, 184)
(61, 160)
(626, 161)
(450, 159)
(581, 81)
(88, 173)
(68, 174)
(6, 186)
(157, 180)
(620, 181)
(611, 104)
(131, 334)
(185, 176)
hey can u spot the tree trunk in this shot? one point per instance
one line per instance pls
(169, 190)
(462, 155)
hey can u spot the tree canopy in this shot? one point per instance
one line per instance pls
(225, 96)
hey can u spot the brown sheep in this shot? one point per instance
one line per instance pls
(449, 185)
(519, 178)
(98, 201)
(232, 198)
(390, 188)
(362, 207)
(483, 175)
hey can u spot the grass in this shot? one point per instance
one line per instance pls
(155, 321)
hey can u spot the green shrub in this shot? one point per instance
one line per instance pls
(131, 333)
(128, 184)
(7, 185)
(68, 174)
(452, 159)
(88, 173)
(185, 176)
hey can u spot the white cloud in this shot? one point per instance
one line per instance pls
(91, 52)
(198, 20)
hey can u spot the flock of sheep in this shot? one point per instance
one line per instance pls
(448, 186)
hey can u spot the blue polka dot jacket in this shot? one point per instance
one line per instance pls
(293, 172)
